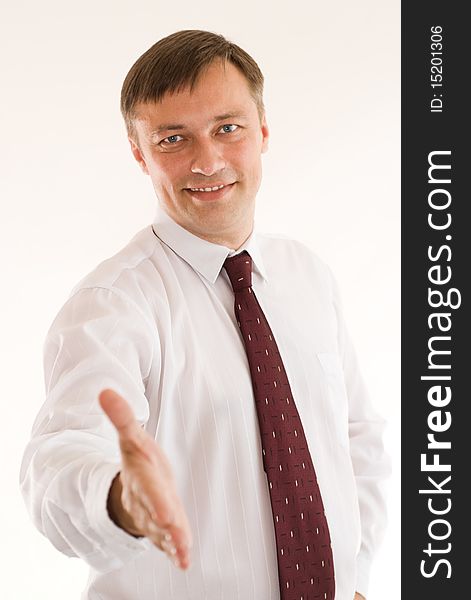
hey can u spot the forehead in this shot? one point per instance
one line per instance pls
(220, 89)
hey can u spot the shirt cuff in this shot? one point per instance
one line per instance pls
(118, 547)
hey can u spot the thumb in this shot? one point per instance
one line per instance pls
(119, 413)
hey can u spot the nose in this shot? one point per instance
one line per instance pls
(208, 159)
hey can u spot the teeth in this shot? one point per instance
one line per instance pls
(208, 189)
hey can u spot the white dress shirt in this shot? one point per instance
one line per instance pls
(156, 323)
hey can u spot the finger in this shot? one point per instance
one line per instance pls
(178, 535)
(161, 537)
(166, 526)
(167, 544)
(156, 500)
(168, 514)
(180, 556)
(119, 412)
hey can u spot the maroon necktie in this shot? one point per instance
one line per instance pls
(305, 563)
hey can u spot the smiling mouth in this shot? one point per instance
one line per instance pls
(209, 189)
(212, 193)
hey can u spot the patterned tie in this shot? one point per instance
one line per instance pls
(305, 563)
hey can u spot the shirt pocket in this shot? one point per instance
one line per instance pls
(334, 393)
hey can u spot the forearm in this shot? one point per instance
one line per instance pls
(370, 462)
(66, 487)
(73, 455)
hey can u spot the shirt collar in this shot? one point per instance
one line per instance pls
(205, 257)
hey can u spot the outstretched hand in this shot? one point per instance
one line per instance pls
(143, 499)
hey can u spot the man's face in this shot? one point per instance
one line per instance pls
(205, 138)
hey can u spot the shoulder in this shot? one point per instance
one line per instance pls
(128, 279)
(126, 268)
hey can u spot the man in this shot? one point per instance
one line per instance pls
(189, 463)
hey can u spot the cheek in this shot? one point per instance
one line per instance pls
(245, 158)
(168, 171)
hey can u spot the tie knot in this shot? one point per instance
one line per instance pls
(239, 269)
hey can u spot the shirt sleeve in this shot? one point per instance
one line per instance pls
(100, 339)
(371, 463)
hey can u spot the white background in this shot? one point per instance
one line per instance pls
(71, 195)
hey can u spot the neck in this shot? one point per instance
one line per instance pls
(233, 242)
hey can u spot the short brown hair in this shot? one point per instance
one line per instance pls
(176, 61)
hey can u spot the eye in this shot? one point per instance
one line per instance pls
(171, 139)
(229, 128)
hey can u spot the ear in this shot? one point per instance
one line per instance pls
(265, 134)
(137, 153)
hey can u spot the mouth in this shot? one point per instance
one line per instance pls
(214, 192)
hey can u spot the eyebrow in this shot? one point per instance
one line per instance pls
(180, 127)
